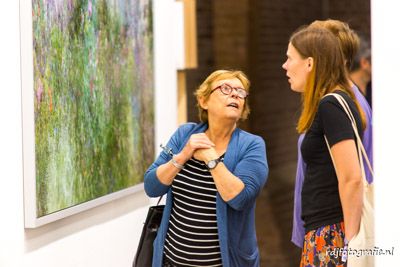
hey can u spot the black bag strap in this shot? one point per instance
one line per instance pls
(159, 200)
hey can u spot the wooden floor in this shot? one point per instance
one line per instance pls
(274, 220)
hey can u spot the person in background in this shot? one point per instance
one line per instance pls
(212, 180)
(361, 69)
(331, 196)
(349, 43)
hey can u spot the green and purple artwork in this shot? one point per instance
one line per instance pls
(93, 91)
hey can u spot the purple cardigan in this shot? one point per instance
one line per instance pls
(298, 231)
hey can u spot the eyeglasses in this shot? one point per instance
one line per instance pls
(226, 89)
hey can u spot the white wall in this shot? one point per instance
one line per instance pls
(103, 236)
(386, 96)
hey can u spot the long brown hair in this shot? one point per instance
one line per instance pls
(328, 72)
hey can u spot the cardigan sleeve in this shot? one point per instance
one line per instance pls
(152, 185)
(252, 169)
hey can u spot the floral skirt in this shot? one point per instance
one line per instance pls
(323, 247)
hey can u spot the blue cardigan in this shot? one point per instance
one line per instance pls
(246, 158)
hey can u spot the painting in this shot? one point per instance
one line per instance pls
(91, 102)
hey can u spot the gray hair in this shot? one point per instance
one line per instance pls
(363, 52)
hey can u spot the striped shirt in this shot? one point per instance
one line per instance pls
(192, 237)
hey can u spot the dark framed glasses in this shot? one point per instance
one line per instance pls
(226, 89)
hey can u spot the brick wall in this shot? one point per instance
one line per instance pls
(276, 106)
(206, 58)
(231, 35)
(222, 43)
(356, 13)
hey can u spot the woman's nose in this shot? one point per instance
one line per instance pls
(234, 93)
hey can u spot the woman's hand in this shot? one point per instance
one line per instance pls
(205, 154)
(167, 172)
(196, 142)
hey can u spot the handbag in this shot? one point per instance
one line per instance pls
(144, 252)
(360, 247)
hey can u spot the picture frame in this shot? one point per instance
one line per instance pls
(138, 101)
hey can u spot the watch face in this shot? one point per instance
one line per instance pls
(212, 164)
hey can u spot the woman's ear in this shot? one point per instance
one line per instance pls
(365, 63)
(202, 102)
(310, 64)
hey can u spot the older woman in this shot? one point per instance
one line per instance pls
(211, 181)
(331, 194)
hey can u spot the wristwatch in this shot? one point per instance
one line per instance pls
(213, 163)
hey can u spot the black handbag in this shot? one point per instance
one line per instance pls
(144, 252)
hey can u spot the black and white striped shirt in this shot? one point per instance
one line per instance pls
(192, 237)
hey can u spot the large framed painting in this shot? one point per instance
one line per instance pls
(88, 111)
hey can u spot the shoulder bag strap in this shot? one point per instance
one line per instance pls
(361, 150)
